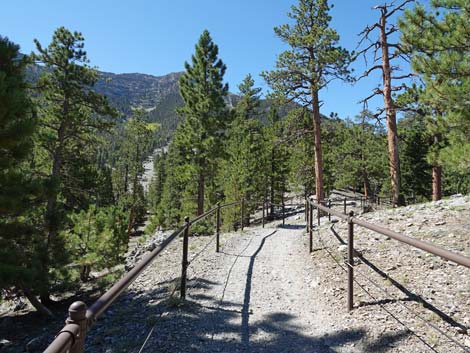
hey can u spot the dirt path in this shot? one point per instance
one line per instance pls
(259, 294)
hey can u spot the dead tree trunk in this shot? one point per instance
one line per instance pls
(383, 63)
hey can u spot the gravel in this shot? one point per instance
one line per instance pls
(265, 293)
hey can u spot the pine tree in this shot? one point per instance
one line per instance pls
(20, 270)
(71, 115)
(438, 41)
(243, 172)
(360, 158)
(313, 61)
(137, 140)
(199, 137)
(277, 158)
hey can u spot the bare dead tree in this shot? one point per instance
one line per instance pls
(384, 53)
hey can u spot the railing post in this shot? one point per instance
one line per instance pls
(344, 206)
(310, 232)
(217, 228)
(318, 214)
(184, 263)
(350, 261)
(283, 214)
(264, 204)
(242, 210)
(307, 214)
(329, 206)
(77, 316)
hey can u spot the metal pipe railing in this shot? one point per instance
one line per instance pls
(71, 338)
(416, 243)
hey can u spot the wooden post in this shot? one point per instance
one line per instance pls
(217, 228)
(344, 211)
(77, 315)
(350, 261)
(184, 263)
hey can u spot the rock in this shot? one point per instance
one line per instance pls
(467, 342)
(440, 223)
(455, 196)
(4, 343)
(151, 246)
(343, 248)
(20, 306)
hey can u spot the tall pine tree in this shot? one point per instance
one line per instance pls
(70, 117)
(438, 40)
(314, 60)
(200, 136)
(19, 243)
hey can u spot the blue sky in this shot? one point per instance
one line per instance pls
(156, 37)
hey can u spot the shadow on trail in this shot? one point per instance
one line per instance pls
(410, 296)
(292, 226)
(247, 296)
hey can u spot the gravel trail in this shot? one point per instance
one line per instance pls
(259, 294)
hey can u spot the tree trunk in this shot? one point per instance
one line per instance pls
(436, 182)
(318, 151)
(272, 183)
(200, 194)
(392, 136)
(367, 191)
(41, 308)
(436, 173)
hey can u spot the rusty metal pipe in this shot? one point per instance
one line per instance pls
(64, 340)
(107, 298)
(417, 243)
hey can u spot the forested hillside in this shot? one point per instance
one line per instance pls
(73, 140)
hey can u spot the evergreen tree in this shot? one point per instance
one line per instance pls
(360, 159)
(437, 38)
(414, 149)
(155, 193)
(199, 137)
(20, 190)
(314, 60)
(277, 159)
(243, 172)
(298, 136)
(98, 238)
(71, 114)
(136, 141)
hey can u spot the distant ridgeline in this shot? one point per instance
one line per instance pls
(158, 95)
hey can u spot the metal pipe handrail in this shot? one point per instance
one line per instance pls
(110, 295)
(64, 340)
(416, 243)
(202, 216)
(329, 210)
(230, 204)
(72, 334)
